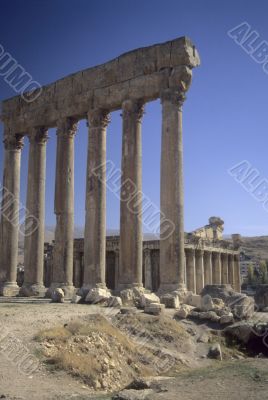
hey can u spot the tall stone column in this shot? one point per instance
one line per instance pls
(237, 273)
(224, 268)
(64, 208)
(199, 267)
(130, 259)
(208, 267)
(172, 266)
(190, 270)
(116, 266)
(95, 224)
(148, 269)
(231, 274)
(33, 284)
(216, 268)
(10, 216)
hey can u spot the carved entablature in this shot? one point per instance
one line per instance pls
(140, 74)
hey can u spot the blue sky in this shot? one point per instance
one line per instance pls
(225, 114)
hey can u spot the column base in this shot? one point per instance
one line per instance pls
(69, 290)
(124, 286)
(9, 289)
(32, 290)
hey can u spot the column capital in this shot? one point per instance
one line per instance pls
(67, 127)
(200, 252)
(38, 134)
(14, 142)
(190, 251)
(174, 96)
(133, 108)
(99, 118)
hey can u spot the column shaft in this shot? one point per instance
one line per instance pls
(33, 284)
(216, 268)
(130, 264)
(199, 266)
(224, 268)
(64, 208)
(190, 270)
(95, 224)
(231, 270)
(172, 266)
(148, 270)
(208, 267)
(237, 273)
(10, 216)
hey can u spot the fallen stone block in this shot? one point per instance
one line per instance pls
(147, 298)
(98, 296)
(114, 301)
(207, 303)
(194, 300)
(154, 308)
(183, 311)
(227, 319)
(170, 300)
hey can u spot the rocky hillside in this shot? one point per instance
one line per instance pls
(256, 247)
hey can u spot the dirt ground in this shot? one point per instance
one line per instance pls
(24, 376)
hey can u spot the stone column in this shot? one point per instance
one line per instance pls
(208, 267)
(231, 275)
(172, 267)
(148, 270)
(224, 268)
(95, 224)
(130, 259)
(237, 273)
(116, 260)
(64, 208)
(190, 270)
(216, 268)
(77, 269)
(199, 266)
(33, 284)
(10, 216)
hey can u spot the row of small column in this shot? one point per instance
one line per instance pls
(172, 268)
(204, 267)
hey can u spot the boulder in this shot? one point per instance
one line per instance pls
(98, 296)
(132, 297)
(227, 319)
(147, 298)
(209, 316)
(261, 297)
(114, 301)
(246, 331)
(215, 352)
(128, 310)
(154, 308)
(170, 300)
(133, 394)
(183, 311)
(207, 303)
(57, 296)
(76, 299)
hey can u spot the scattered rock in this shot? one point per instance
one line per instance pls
(128, 310)
(132, 297)
(227, 319)
(194, 300)
(203, 338)
(133, 394)
(154, 308)
(98, 296)
(215, 352)
(57, 296)
(115, 302)
(184, 311)
(209, 315)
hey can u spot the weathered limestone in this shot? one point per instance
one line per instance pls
(207, 267)
(216, 268)
(172, 264)
(130, 259)
(95, 224)
(190, 270)
(224, 268)
(199, 270)
(64, 208)
(10, 215)
(34, 243)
